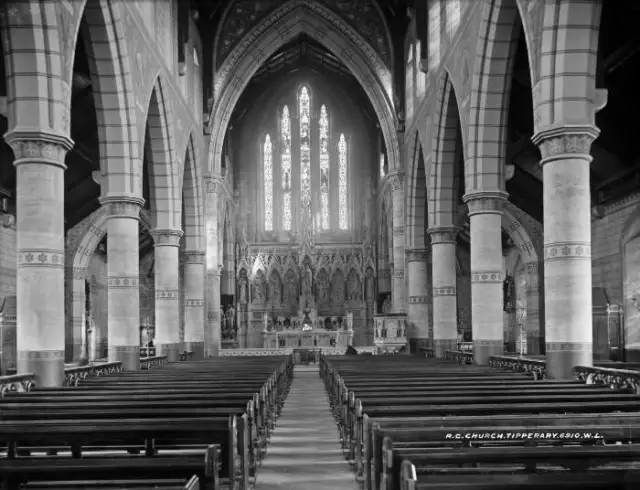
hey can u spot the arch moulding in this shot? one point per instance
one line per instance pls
(282, 26)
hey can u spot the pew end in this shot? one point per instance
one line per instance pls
(408, 476)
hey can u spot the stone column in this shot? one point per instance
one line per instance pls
(567, 247)
(78, 348)
(532, 319)
(123, 270)
(419, 305)
(398, 294)
(213, 268)
(194, 302)
(167, 288)
(445, 300)
(39, 162)
(485, 213)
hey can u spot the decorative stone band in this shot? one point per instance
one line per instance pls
(567, 250)
(194, 257)
(398, 230)
(213, 184)
(78, 295)
(443, 234)
(398, 273)
(487, 342)
(213, 315)
(38, 147)
(418, 300)
(562, 142)
(168, 294)
(122, 206)
(444, 291)
(194, 303)
(486, 277)
(485, 202)
(41, 258)
(166, 238)
(41, 355)
(122, 282)
(569, 347)
(417, 255)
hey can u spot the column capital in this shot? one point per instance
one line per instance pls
(485, 202)
(443, 234)
(215, 272)
(35, 146)
(396, 178)
(166, 237)
(194, 257)
(213, 183)
(122, 206)
(567, 141)
(417, 255)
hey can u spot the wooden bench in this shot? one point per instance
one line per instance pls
(152, 484)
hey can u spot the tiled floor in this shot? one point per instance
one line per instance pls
(304, 452)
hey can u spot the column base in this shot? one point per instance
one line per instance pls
(632, 355)
(46, 365)
(483, 349)
(562, 357)
(171, 350)
(197, 348)
(441, 346)
(128, 355)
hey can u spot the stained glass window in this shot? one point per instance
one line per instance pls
(304, 104)
(434, 34)
(285, 166)
(382, 165)
(268, 184)
(342, 183)
(324, 167)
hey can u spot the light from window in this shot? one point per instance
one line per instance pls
(285, 166)
(324, 167)
(305, 148)
(342, 185)
(268, 184)
(434, 34)
(452, 13)
(382, 166)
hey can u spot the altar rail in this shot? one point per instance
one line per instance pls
(327, 351)
(461, 357)
(16, 383)
(537, 367)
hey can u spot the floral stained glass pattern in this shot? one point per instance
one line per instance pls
(342, 183)
(304, 104)
(268, 183)
(324, 167)
(285, 166)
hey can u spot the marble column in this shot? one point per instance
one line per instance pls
(398, 293)
(419, 305)
(39, 162)
(194, 302)
(443, 277)
(213, 186)
(485, 213)
(567, 247)
(167, 292)
(77, 350)
(123, 294)
(532, 318)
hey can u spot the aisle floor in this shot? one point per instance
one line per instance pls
(304, 452)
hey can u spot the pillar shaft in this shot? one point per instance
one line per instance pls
(213, 268)
(167, 296)
(419, 305)
(194, 271)
(123, 269)
(485, 212)
(77, 350)
(567, 247)
(39, 162)
(445, 300)
(398, 296)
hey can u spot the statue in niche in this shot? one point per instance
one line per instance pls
(386, 306)
(307, 281)
(291, 292)
(337, 288)
(275, 291)
(369, 285)
(323, 287)
(353, 286)
(259, 289)
(286, 182)
(243, 287)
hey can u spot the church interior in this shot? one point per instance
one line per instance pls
(397, 240)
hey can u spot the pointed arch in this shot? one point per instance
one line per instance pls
(443, 179)
(283, 25)
(162, 172)
(417, 198)
(192, 199)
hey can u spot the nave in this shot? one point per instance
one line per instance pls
(348, 422)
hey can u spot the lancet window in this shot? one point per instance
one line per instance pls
(285, 166)
(324, 167)
(342, 183)
(268, 183)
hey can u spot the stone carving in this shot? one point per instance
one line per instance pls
(567, 142)
(369, 286)
(213, 184)
(307, 281)
(354, 288)
(323, 288)
(567, 250)
(51, 151)
(259, 295)
(337, 287)
(275, 288)
(243, 287)
(492, 277)
(485, 202)
(291, 291)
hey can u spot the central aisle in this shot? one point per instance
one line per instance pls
(304, 452)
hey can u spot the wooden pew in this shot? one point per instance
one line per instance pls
(152, 484)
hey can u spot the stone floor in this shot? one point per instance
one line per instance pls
(304, 452)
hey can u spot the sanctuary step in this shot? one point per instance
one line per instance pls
(304, 451)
